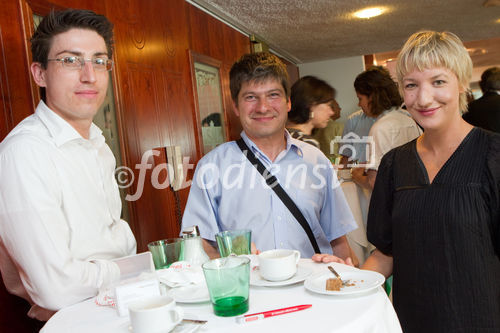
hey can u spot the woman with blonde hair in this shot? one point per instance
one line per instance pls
(435, 210)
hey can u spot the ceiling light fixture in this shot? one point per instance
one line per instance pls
(369, 12)
(476, 51)
(491, 3)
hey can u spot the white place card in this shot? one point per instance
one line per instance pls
(127, 292)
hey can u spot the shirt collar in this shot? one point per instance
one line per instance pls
(61, 131)
(291, 145)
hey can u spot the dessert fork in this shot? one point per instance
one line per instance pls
(344, 283)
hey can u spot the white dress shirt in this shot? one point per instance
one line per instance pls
(59, 213)
(393, 128)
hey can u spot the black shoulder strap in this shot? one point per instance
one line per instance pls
(280, 192)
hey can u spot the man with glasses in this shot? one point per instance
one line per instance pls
(60, 207)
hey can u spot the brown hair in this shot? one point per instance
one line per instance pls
(377, 84)
(490, 79)
(307, 92)
(57, 22)
(257, 67)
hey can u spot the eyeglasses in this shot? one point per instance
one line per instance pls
(74, 62)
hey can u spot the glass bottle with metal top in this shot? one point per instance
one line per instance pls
(193, 246)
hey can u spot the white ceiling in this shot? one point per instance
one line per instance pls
(314, 30)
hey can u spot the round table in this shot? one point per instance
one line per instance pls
(358, 199)
(371, 311)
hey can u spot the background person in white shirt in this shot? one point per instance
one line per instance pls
(379, 96)
(60, 207)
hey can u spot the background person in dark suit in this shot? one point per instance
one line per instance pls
(485, 111)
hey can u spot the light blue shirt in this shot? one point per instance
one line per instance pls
(228, 193)
(358, 123)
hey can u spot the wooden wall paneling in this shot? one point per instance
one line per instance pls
(293, 72)
(292, 69)
(129, 41)
(198, 30)
(161, 194)
(176, 112)
(143, 133)
(13, 317)
(5, 105)
(234, 52)
(210, 37)
(216, 39)
(154, 112)
(16, 91)
(233, 122)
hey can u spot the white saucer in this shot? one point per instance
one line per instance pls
(257, 280)
(130, 329)
(195, 293)
(363, 281)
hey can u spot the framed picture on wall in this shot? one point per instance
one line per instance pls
(209, 101)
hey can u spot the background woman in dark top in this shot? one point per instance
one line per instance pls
(313, 103)
(435, 210)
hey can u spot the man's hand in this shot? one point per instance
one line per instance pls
(253, 249)
(210, 250)
(358, 174)
(326, 258)
(364, 178)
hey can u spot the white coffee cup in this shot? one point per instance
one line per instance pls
(154, 314)
(278, 265)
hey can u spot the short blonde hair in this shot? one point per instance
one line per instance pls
(429, 49)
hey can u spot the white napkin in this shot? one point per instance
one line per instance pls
(180, 274)
(107, 295)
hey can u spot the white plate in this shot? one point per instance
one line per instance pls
(363, 281)
(195, 293)
(257, 280)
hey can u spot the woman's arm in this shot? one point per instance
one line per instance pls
(379, 262)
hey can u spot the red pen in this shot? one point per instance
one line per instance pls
(261, 315)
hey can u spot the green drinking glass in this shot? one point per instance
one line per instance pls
(166, 251)
(228, 281)
(234, 242)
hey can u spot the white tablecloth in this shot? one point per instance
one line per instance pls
(369, 312)
(358, 199)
